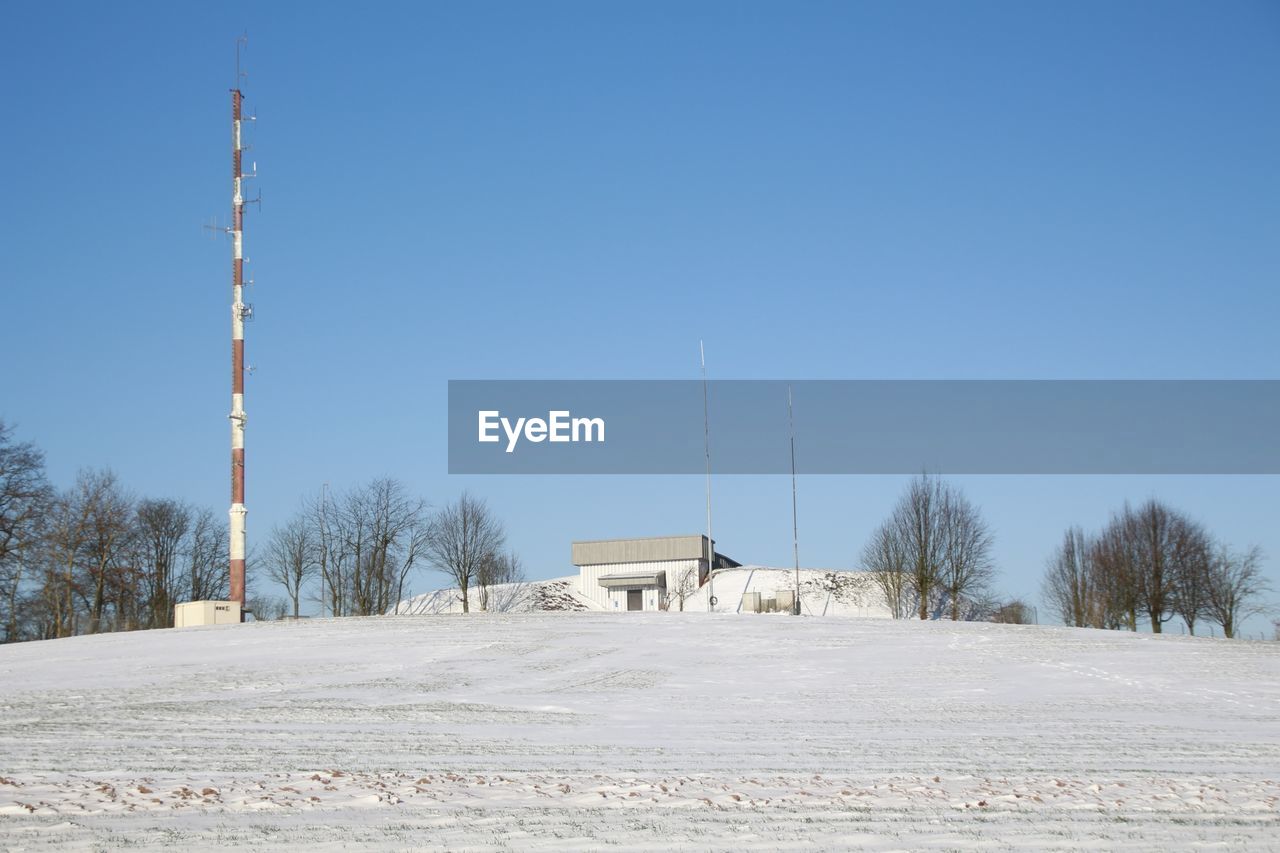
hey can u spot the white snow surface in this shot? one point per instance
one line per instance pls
(555, 594)
(823, 592)
(682, 731)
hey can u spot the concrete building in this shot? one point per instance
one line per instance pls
(644, 574)
(190, 613)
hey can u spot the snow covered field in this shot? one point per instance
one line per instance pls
(683, 731)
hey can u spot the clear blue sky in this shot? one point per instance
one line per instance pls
(583, 190)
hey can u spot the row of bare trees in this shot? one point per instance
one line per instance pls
(24, 495)
(932, 556)
(360, 548)
(94, 557)
(1153, 563)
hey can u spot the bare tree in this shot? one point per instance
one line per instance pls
(1235, 588)
(1155, 529)
(918, 524)
(365, 544)
(1192, 555)
(967, 568)
(291, 558)
(207, 557)
(267, 608)
(90, 558)
(111, 561)
(462, 535)
(25, 495)
(1012, 612)
(1070, 582)
(72, 543)
(682, 583)
(387, 531)
(499, 582)
(1119, 573)
(162, 528)
(1150, 560)
(332, 557)
(68, 531)
(1157, 561)
(934, 547)
(489, 571)
(886, 559)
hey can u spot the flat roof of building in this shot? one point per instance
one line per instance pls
(624, 580)
(652, 549)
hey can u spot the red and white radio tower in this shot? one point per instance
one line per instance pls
(239, 313)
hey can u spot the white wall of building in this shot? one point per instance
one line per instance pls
(191, 613)
(617, 599)
(589, 579)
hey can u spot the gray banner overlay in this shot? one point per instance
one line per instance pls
(867, 427)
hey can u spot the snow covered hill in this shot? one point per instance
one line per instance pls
(822, 593)
(685, 731)
(556, 594)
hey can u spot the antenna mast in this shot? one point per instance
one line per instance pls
(239, 312)
(706, 444)
(795, 535)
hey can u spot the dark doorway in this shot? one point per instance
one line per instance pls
(635, 599)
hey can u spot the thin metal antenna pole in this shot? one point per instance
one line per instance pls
(324, 533)
(706, 444)
(795, 535)
(240, 41)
